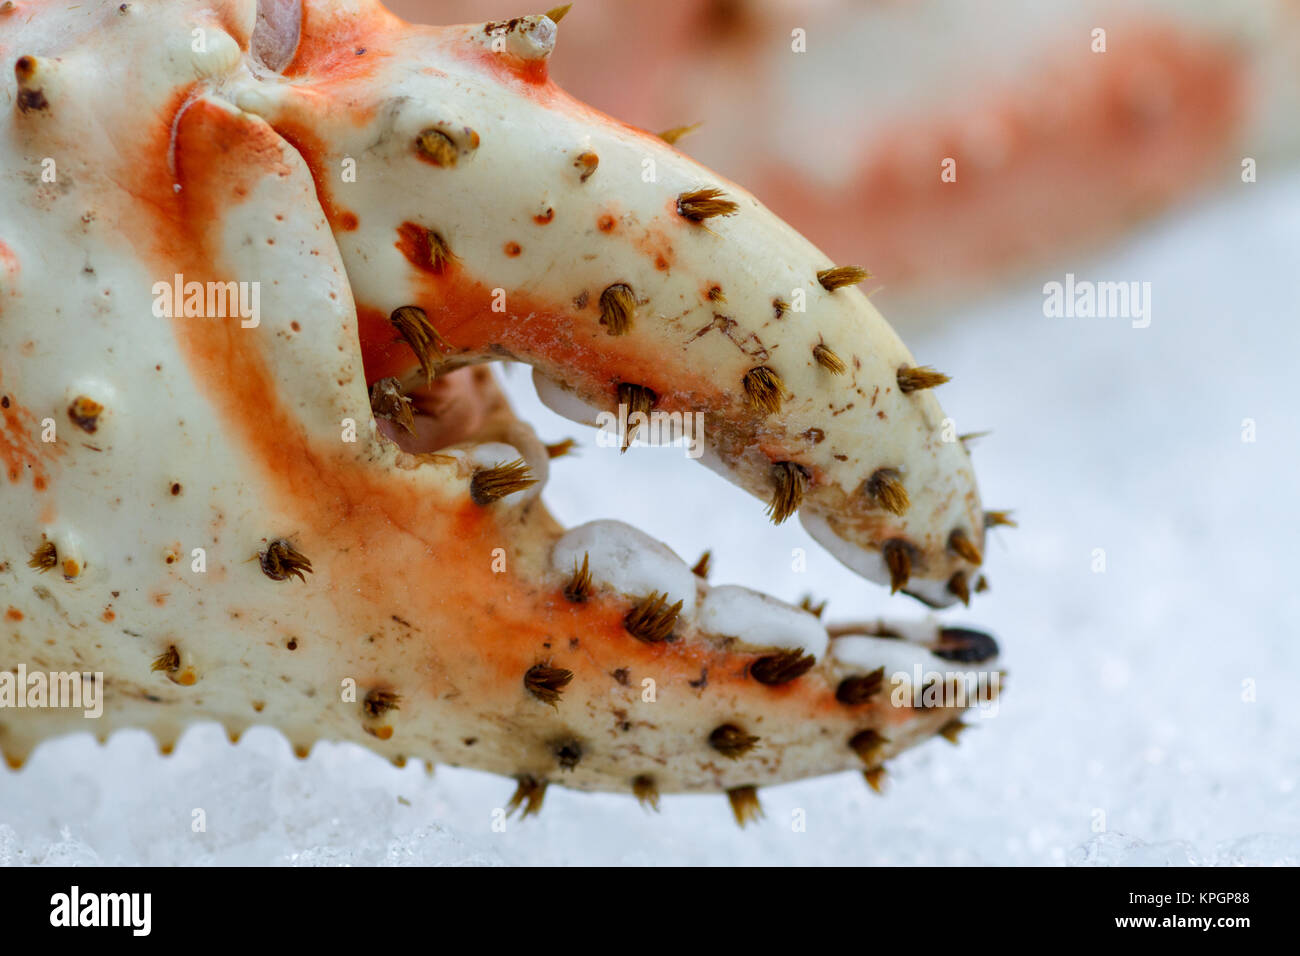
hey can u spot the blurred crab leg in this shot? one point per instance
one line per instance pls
(1057, 145)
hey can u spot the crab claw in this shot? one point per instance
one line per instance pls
(624, 273)
(370, 556)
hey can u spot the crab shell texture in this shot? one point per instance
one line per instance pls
(199, 502)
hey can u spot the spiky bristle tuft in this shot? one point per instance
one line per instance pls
(959, 542)
(652, 618)
(45, 557)
(671, 136)
(556, 14)
(493, 484)
(869, 745)
(781, 668)
(875, 778)
(413, 325)
(579, 587)
(859, 688)
(701, 569)
(560, 448)
(763, 388)
(886, 486)
(788, 483)
(439, 253)
(637, 398)
(813, 608)
(617, 308)
(744, 804)
(999, 519)
(913, 378)
(701, 204)
(281, 561)
(547, 683)
(959, 587)
(898, 559)
(529, 793)
(169, 661)
(841, 276)
(827, 359)
(952, 730)
(646, 791)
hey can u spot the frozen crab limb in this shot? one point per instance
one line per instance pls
(282, 488)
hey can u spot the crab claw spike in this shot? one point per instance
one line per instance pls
(529, 794)
(556, 14)
(876, 778)
(744, 805)
(646, 792)
(292, 498)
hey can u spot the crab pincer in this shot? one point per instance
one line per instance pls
(413, 203)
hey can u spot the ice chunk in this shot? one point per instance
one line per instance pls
(760, 620)
(627, 560)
